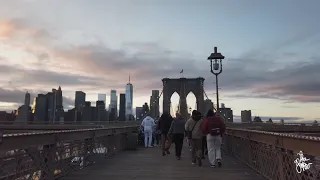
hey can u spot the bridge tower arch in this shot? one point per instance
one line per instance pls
(183, 86)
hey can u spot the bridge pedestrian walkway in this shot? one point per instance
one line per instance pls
(148, 163)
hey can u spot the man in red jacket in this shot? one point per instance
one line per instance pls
(214, 127)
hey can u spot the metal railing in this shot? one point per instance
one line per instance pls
(138, 121)
(66, 122)
(52, 154)
(276, 127)
(272, 154)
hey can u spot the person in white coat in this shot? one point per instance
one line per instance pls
(148, 125)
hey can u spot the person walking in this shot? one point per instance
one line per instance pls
(176, 132)
(148, 125)
(164, 126)
(214, 127)
(157, 134)
(194, 134)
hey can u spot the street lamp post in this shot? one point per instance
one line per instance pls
(215, 59)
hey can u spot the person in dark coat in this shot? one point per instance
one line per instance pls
(176, 132)
(164, 126)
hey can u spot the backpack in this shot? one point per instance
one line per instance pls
(214, 128)
(215, 131)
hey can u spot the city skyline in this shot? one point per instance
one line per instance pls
(271, 64)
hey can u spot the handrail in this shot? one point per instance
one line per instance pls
(294, 142)
(53, 154)
(25, 140)
(274, 155)
(134, 122)
(66, 122)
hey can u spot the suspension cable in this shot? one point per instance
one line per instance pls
(204, 92)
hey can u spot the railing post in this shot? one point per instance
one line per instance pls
(88, 149)
(48, 163)
(280, 160)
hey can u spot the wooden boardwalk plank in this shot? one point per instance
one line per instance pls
(148, 163)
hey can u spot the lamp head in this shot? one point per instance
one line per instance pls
(215, 55)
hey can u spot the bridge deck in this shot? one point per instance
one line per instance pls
(148, 163)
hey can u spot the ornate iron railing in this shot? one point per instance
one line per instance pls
(272, 154)
(50, 155)
(66, 122)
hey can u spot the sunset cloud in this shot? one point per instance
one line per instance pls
(95, 66)
(42, 53)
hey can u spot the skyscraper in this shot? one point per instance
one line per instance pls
(41, 108)
(102, 97)
(50, 106)
(154, 104)
(24, 110)
(113, 102)
(101, 111)
(88, 112)
(80, 99)
(27, 99)
(34, 105)
(246, 116)
(55, 102)
(129, 99)
(122, 107)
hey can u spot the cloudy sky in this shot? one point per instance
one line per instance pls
(271, 48)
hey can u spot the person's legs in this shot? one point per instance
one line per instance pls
(163, 140)
(193, 150)
(203, 148)
(157, 139)
(189, 144)
(169, 143)
(211, 150)
(217, 146)
(176, 143)
(153, 139)
(163, 144)
(199, 147)
(179, 144)
(150, 139)
(146, 136)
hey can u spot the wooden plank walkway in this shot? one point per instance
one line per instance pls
(149, 164)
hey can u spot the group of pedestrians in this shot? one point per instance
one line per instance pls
(202, 133)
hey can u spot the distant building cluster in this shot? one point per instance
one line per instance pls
(49, 108)
(84, 111)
